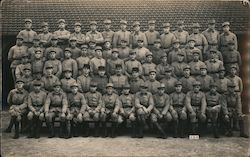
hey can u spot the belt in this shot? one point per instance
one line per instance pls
(223, 45)
(178, 105)
(230, 62)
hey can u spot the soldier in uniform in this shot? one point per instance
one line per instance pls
(190, 49)
(172, 55)
(167, 38)
(84, 79)
(113, 61)
(214, 103)
(27, 77)
(187, 80)
(35, 46)
(232, 111)
(111, 107)
(200, 39)
(80, 37)
(45, 36)
(95, 104)
(67, 80)
(37, 64)
(36, 100)
(160, 68)
(28, 34)
(157, 51)
(107, 50)
(196, 64)
(62, 34)
(101, 79)
(181, 34)
(135, 81)
(57, 65)
(221, 81)
(147, 66)
(122, 34)
(152, 83)
(204, 79)
(169, 81)
(141, 50)
(93, 34)
(75, 51)
(177, 109)
(15, 54)
(54, 47)
(76, 110)
(213, 64)
(49, 78)
(19, 72)
(236, 79)
(132, 63)
(96, 61)
(56, 105)
(196, 105)
(144, 104)
(137, 34)
(124, 50)
(91, 49)
(151, 34)
(107, 33)
(17, 100)
(161, 109)
(83, 59)
(179, 65)
(69, 63)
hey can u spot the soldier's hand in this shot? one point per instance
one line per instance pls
(63, 115)
(37, 113)
(114, 114)
(226, 117)
(160, 116)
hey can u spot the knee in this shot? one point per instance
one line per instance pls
(132, 117)
(169, 117)
(79, 118)
(96, 117)
(30, 116)
(41, 117)
(203, 118)
(183, 116)
(153, 118)
(140, 111)
(119, 120)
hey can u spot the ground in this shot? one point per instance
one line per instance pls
(121, 146)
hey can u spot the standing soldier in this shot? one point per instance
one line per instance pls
(80, 37)
(169, 81)
(36, 46)
(179, 65)
(172, 55)
(181, 34)
(236, 79)
(137, 34)
(177, 109)
(190, 49)
(27, 77)
(124, 50)
(57, 65)
(19, 72)
(76, 110)
(17, 101)
(141, 50)
(152, 83)
(45, 36)
(222, 81)
(196, 64)
(204, 79)
(144, 104)
(49, 79)
(62, 34)
(111, 107)
(69, 63)
(75, 51)
(147, 66)
(227, 36)
(101, 79)
(122, 34)
(96, 61)
(54, 47)
(187, 80)
(132, 63)
(135, 81)
(35, 102)
(157, 51)
(167, 38)
(107, 50)
(200, 39)
(196, 107)
(56, 105)
(15, 55)
(151, 34)
(113, 61)
(107, 33)
(67, 80)
(160, 68)
(93, 34)
(83, 59)
(84, 79)
(37, 64)
(91, 49)
(28, 34)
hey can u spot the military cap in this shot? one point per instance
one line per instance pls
(152, 70)
(180, 22)
(213, 50)
(109, 85)
(86, 66)
(233, 66)
(196, 25)
(118, 66)
(37, 83)
(123, 22)
(149, 54)
(231, 84)
(93, 84)
(101, 68)
(107, 40)
(162, 85)
(135, 69)
(36, 37)
(54, 37)
(25, 55)
(61, 21)
(203, 66)
(107, 21)
(213, 84)
(124, 40)
(140, 39)
(151, 22)
(93, 23)
(196, 83)
(144, 85)
(221, 68)
(166, 25)
(20, 80)
(67, 70)
(212, 21)
(230, 42)
(38, 50)
(186, 67)
(197, 51)
(98, 48)
(168, 69)
(73, 38)
(126, 86)
(84, 46)
(163, 55)
(176, 41)
(115, 50)
(67, 49)
(57, 83)
(136, 23)
(92, 41)
(52, 50)
(157, 41)
(178, 83)
(28, 20)
(49, 66)
(19, 36)
(74, 84)
(78, 24)
(27, 67)
(180, 53)
(191, 39)
(44, 24)
(225, 24)
(132, 52)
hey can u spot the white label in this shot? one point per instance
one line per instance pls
(194, 137)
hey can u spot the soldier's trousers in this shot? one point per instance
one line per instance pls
(91, 115)
(213, 112)
(74, 114)
(178, 113)
(15, 113)
(154, 117)
(128, 116)
(108, 116)
(31, 114)
(53, 113)
(197, 116)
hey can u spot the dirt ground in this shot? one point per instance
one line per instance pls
(121, 146)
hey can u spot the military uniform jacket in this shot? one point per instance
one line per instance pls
(70, 64)
(232, 100)
(101, 83)
(205, 82)
(213, 65)
(226, 37)
(49, 82)
(231, 57)
(157, 53)
(134, 36)
(221, 84)
(32, 50)
(57, 67)
(75, 51)
(81, 61)
(169, 84)
(81, 38)
(152, 36)
(173, 57)
(145, 100)
(177, 100)
(36, 100)
(178, 68)
(84, 82)
(190, 52)
(15, 55)
(141, 53)
(16, 97)
(58, 50)
(146, 67)
(95, 63)
(111, 102)
(111, 63)
(127, 101)
(160, 70)
(118, 80)
(214, 99)
(77, 100)
(182, 36)
(96, 36)
(187, 83)
(212, 36)
(62, 35)
(200, 40)
(20, 69)
(130, 64)
(135, 84)
(162, 102)
(66, 84)
(45, 38)
(56, 100)
(123, 52)
(167, 40)
(238, 82)
(94, 100)
(195, 67)
(196, 100)
(28, 35)
(121, 35)
(37, 66)
(108, 34)
(152, 85)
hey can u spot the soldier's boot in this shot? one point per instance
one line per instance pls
(161, 131)
(144, 123)
(133, 135)
(68, 129)
(182, 126)
(62, 128)
(16, 134)
(52, 130)
(73, 129)
(104, 130)
(38, 129)
(229, 132)
(31, 130)
(85, 127)
(215, 130)
(193, 128)
(242, 134)
(175, 127)
(113, 129)
(140, 130)
(97, 127)
(8, 129)
(202, 127)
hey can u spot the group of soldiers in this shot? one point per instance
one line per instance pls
(106, 80)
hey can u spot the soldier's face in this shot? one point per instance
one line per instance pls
(54, 42)
(140, 43)
(180, 58)
(36, 42)
(157, 45)
(52, 55)
(118, 70)
(28, 25)
(77, 29)
(123, 44)
(137, 28)
(135, 74)
(161, 91)
(231, 47)
(37, 76)
(149, 58)
(19, 42)
(92, 27)
(221, 74)
(211, 26)
(191, 44)
(84, 52)
(68, 74)
(109, 90)
(92, 89)
(195, 30)
(213, 89)
(27, 72)
(85, 70)
(37, 88)
(196, 57)
(197, 88)
(233, 71)
(151, 27)
(166, 29)
(123, 27)
(25, 60)
(107, 44)
(180, 27)
(132, 56)
(168, 73)
(164, 59)
(176, 45)
(73, 43)
(152, 75)
(226, 28)
(186, 72)
(92, 45)
(57, 88)
(126, 91)
(203, 72)
(213, 55)
(49, 71)
(74, 90)
(107, 26)
(67, 54)
(19, 85)
(45, 28)
(178, 88)
(115, 55)
(98, 53)
(62, 25)
(101, 72)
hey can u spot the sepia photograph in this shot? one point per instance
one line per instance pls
(104, 78)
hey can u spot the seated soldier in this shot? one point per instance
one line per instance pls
(112, 61)
(19, 72)
(84, 79)
(177, 109)
(83, 59)
(56, 105)
(69, 63)
(35, 102)
(144, 104)
(17, 101)
(67, 81)
(147, 66)
(196, 107)
(132, 63)
(152, 83)
(213, 64)
(135, 81)
(169, 81)
(204, 79)
(49, 79)
(161, 109)
(127, 109)
(95, 104)
(162, 66)
(96, 61)
(101, 79)
(76, 110)
(109, 112)
(221, 81)
(196, 63)
(56, 64)
(187, 80)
